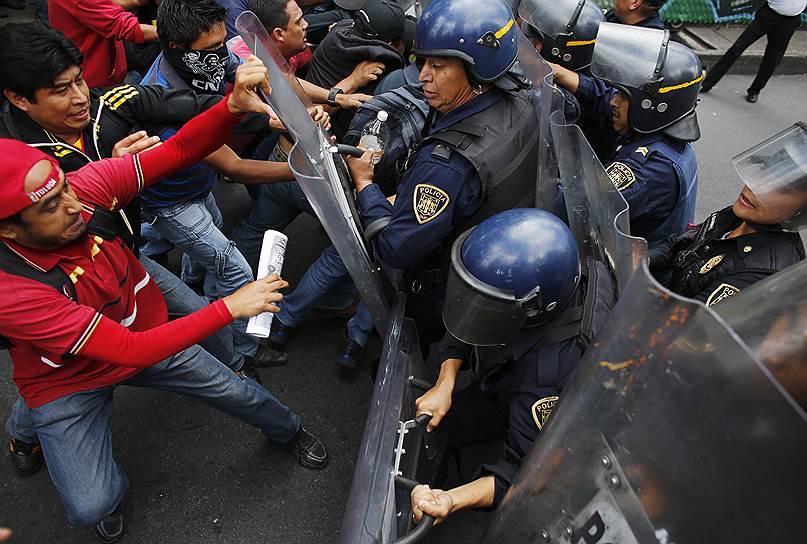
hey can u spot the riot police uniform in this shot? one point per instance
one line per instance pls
(654, 166)
(708, 263)
(517, 384)
(703, 265)
(472, 162)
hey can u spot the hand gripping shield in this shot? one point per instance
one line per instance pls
(322, 176)
(670, 430)
(597, 211)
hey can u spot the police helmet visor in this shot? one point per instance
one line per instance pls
(776, 172)
(558, 18)
(629, 55)
(480, 314)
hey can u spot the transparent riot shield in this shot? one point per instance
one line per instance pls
(322, 176)
(378, 506)
(597, 212)
(771, 318)
(545, 100)
(670, 430)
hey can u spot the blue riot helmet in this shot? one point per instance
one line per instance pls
(482, 34)
(517, 268)
(567, 29)
(661, 77)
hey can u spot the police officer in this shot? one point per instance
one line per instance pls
(653, 113)
(514, 306)
(478, 156)
(563, 32)
(636, 13)
(751, 239)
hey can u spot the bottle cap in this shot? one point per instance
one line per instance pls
(382, 116)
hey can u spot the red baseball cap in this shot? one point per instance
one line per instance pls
(16, 160)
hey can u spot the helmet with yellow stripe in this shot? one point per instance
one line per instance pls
(482, 34)
(567, 29)
(662, 78)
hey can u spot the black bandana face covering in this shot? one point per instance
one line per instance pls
(203, 71)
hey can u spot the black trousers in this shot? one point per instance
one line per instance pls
(778, 28)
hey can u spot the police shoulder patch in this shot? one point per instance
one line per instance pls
(723, 291)
(429, 202)
(542, 409)
(621, 175)
(643, 150)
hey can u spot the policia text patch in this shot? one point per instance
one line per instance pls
(429, 202)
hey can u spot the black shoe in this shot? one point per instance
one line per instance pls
(111, 528)
(27, 458)
(308, 450)
(349, 354)
(279, 335)
(249, 371)
(752, 97)
(267, 356)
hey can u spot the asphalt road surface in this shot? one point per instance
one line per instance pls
(198, 476)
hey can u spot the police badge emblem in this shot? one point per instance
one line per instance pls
(711, 263)
(723, 292)
(429, 202)
(621, 175)
(542, 409)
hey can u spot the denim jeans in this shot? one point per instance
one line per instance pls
(181, 301)
(274, 208)
(194, 227)
(326, 275)
(77, 444)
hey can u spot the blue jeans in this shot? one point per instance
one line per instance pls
(274, 208)
(181, 301)
(194, 227)
(325, 275)
(77, 444)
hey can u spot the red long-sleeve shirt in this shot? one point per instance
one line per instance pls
(98, 28)
(118, 324)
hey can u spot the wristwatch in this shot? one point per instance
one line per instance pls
(332, 96)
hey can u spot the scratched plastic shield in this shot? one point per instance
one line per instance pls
(669, 431)
(323, 177)
(597, 212)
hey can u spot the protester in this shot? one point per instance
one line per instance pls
(107, 325)
(99, 28)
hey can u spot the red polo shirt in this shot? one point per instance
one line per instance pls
(118, 324)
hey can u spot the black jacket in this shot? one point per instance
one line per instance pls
(700, 264)
(337, 56)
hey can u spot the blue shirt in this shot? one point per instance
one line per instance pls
(234, 9)
(196, 181)
(435, 197)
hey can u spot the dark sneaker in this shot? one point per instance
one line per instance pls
(349, 354)
(267, 356)
(752, 97)
(308, 450)
(27, 458)
(279, 335)
(111, 528)
(249, 371)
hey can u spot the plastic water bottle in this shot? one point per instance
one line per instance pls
(374, 136)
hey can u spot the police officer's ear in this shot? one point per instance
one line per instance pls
(278, 34)
(18, 100)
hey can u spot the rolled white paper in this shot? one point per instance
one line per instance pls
(273, 250)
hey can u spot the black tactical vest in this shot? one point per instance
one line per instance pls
(501, 142)
(701, 255)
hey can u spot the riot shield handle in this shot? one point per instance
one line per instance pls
(426, 523)
(344, 149)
